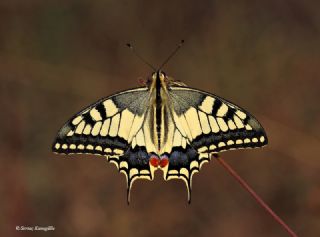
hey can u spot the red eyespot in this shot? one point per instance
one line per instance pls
(154, 160)
(164, 161)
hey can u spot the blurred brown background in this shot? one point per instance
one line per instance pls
(57, 57)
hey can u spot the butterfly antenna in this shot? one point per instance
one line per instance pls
(172, 54)
(139, 56)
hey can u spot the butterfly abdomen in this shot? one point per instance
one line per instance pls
(158, 110)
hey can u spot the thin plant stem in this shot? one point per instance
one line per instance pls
(256, 196)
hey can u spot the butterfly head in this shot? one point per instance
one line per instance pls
(158, 79)
(158, 75)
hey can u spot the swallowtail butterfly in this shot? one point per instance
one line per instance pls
(163, 125)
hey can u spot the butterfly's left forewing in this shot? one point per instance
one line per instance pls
(113, 127)
(205, 124)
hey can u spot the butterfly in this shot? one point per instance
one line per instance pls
(163, 125)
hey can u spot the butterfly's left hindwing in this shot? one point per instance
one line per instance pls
(208, 124)
(110, 127)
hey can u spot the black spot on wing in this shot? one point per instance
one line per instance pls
(246, 120)
(102, 110)
(217, 104)
(226, 121)
(88, 119)
(230, 113)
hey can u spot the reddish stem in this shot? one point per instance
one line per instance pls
(256, 197)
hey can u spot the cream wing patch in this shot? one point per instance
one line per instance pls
(167, 140)
(114, 125)
(111, 108)
(125, 124)
(193, 122)
(207, 104)
(204, 123)
(105, 128)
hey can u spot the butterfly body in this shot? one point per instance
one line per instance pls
(163, 125)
